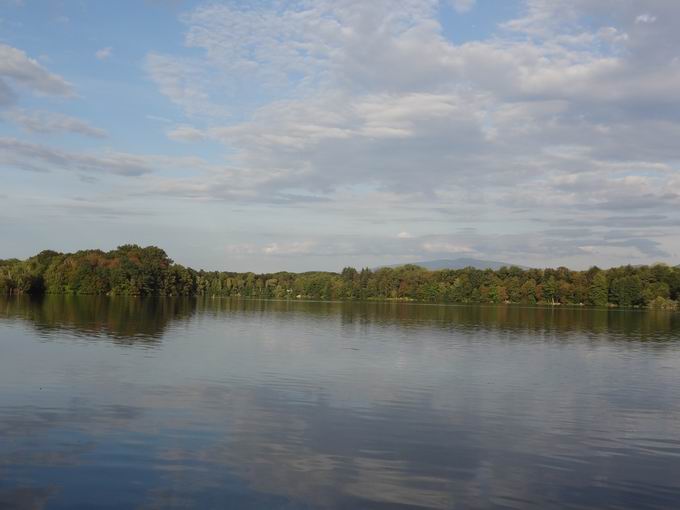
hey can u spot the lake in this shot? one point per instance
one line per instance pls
(162, 403)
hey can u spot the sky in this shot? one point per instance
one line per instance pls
(299, 135)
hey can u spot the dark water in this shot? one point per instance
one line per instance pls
(156, 404)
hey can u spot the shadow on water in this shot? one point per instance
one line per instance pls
(123, 319)
(628, 322)
(127, 319)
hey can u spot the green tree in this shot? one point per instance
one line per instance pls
(627, 291)
(528, 292)
(551, 290)
(598, 293)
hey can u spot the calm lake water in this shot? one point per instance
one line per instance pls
(154, 404)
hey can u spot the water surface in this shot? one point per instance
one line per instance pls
(150, 404)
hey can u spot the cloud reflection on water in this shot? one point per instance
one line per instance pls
(329, 405)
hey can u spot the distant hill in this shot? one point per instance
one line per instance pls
(460, 263)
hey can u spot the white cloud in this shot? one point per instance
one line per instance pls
(345, 96)
(565, 119)
(645, 18)
(51, 122)
(404, 235)
(18, 70)
(271, 249)
(185, 133)
(445, 247)
(295, 248)
(104, 53)
(185, 82)
(467, 120)
(463, 5)
(158, 118)
(42, 158)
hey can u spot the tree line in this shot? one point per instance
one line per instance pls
(131, 270)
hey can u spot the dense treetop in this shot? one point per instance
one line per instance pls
(133, 271)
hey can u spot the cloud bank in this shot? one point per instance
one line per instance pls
(551, 140)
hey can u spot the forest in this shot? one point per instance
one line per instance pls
(131, 270)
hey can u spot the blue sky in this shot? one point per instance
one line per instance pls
(307, 134)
